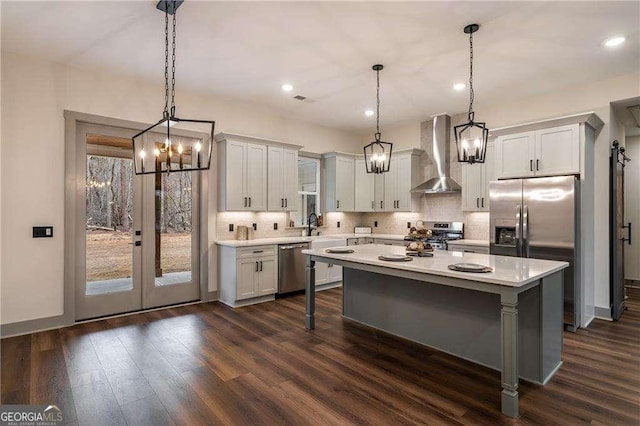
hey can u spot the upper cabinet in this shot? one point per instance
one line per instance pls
(542, 152)
(256, 174)
(365, 187)
(475, 183)
(282, 176)
(340, 179)
(350, 188)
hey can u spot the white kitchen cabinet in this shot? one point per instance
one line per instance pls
(282, 177)
(475, 183)
(328, 274)
(340, 178)
(364, 187)
(247, 275)
(404, 174)
(246, 182)
(390, 242)
(542, 152)
(468, 248)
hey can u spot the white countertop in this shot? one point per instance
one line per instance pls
(293, 240)
(507, 271)
(483, 243)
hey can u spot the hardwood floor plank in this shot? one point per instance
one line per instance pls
(210, 364)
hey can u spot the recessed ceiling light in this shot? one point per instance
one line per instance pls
(369, 113)
(614, 41)
(459, 86)
(287, 87)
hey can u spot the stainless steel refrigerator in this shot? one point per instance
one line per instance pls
(540, 218)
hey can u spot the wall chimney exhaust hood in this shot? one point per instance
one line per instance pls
(442, 183)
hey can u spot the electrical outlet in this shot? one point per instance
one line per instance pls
(338, 224)
(375, 224)
(231, 227)
(43, 232)
(255, 226)
(275, 226)
(408, 224)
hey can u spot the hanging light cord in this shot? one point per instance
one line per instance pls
(471, 94)
(166, 62)
(377, 105)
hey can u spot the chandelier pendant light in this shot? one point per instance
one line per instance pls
(377, 155)
(160, 147)
(472, 136)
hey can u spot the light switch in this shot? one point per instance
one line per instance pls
(43, 232)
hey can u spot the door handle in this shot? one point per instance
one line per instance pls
(525, 232)
(281, 202)
(482, 204)
(537, 164)
(530, 165)
(382, 204)
(261, 266)
(286, 202)
(249, 201)
(518, 241)
(337, 204)
(628, 227)
(257, 267)
(477, 202)
(245, 201)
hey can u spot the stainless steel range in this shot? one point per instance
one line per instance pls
(441, 232)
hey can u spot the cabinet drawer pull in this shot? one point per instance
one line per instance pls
(530, 165)
(258, 251)
(468, 251)
(537, 164)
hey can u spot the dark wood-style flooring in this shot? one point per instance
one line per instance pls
(209, 364)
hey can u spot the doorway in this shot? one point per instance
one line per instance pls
(137, 236)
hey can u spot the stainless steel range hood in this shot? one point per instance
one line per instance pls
(442, 183)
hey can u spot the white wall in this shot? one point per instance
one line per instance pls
(632, 208)
(34, 95)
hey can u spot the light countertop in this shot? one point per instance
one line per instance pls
(507, 271)
(481, 243)
(293, 240)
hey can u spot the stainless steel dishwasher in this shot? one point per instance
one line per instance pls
(291, 267)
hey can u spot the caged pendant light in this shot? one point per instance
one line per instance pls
(377, 155)
(158, 148)
(472, 136)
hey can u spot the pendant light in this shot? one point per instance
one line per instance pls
(472, 136)
(377, 155)
(158, 148)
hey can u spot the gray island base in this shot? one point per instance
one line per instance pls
(509, 320)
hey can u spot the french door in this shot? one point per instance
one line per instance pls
(138, 244)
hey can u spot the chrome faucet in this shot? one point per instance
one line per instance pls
(315, 217)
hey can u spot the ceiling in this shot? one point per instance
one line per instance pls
(246, 50)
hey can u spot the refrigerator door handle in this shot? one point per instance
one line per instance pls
(518, 236)
(525, 232)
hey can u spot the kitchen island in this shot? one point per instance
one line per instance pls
(509, 319)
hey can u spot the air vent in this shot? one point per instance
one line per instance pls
(300, 97)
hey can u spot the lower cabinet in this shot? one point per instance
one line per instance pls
(248, 274)
(468, 248)
(390, 242)
(327, 274)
